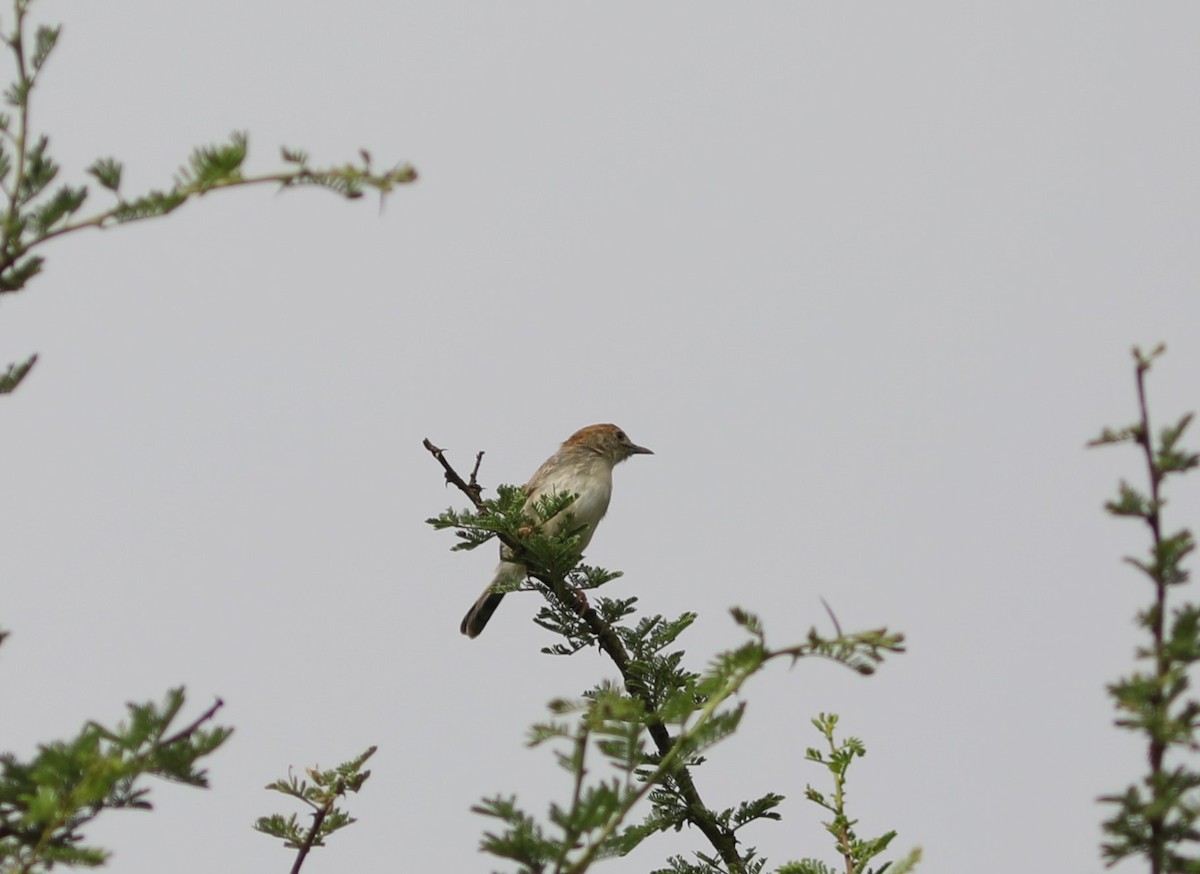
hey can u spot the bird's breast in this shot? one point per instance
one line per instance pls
(593, 485)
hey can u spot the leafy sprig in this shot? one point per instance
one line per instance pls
(856, 853)
(321, 796)
(35, 212)
(45, 802)
(1158, 817)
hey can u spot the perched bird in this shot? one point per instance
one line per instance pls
(582, 466)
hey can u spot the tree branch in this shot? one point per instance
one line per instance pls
(472, 489)
(187, 732)
(1158, 745)
(722, 839)
(309, 842)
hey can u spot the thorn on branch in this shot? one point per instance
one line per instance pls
(836, 625)
(473, 490)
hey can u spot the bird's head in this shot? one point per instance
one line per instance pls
(608, 441)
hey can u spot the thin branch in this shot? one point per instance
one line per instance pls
(1158, 746)
(570, 834)
(187, 732)
(847, 849)
(17, 43)
(1146, 439)
(474, 482)
(472, 490)
(309, 842)
(109, 217)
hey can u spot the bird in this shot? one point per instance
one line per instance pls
(582, 466)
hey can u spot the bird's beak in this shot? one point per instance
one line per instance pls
(640, 450)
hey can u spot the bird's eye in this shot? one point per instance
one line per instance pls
(621, 435)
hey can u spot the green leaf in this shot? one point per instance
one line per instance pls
(1110, 437)
(806, 866)
(44, 43)
(65, 203)
(294, 156)
(211, 165)
(40, 171)
(12, 376)
(17, 94)
(107, 172)
(19, 273)
(151, 205)
(759, 808)
(1131, 502)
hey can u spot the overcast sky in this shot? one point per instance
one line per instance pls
(864, 276)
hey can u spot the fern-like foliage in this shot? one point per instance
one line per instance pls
(1158, 817)
(321, 793)
(46, 801)
(629, 749)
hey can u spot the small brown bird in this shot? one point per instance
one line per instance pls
(582, 466)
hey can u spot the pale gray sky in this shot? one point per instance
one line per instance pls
(864, 276)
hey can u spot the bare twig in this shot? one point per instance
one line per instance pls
(474, 483)
(472, 489)
(191, 729)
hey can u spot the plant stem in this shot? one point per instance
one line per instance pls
(1158, 746)
(318, 818)
(17, 43)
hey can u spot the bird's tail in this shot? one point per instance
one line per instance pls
(479, 614)
(481, 611)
